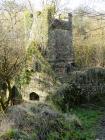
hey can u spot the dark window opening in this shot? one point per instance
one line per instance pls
(34, 96)
(73, 64)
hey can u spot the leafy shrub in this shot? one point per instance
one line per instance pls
(39, 122)
(86, 86)
(91, 83)
(67, 96)
(14, 134)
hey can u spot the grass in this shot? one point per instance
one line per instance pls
(89, 117)
(80, 124)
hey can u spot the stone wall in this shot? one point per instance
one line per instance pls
(54, 36)
(60, 45)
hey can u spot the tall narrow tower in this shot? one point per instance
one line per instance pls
(60, 51)
(54, 36)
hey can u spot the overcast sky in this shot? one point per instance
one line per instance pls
(98, 5)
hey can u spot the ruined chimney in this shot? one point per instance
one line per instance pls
(70, 17)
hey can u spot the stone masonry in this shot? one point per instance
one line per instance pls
(54, 34)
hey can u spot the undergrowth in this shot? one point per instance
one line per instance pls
(89, 117)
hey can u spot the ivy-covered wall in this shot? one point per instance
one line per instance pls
(40, 29)
(49, 52)
(54, 38)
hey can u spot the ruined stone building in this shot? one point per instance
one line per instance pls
(54, 35)
(53, 55)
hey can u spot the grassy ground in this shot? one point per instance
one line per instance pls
(78, 124)
(89, 117)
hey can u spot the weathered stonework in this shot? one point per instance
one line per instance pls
(55, 38)
(60, 45)
(51, 54)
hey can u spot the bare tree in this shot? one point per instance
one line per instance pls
(52, 2)
(12, 45)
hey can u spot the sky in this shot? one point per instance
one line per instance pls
(97, 5)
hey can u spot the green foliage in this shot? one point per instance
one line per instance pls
(91, 82)
(40, 122)
(83, 87)
(67, 96)
(15, 134)
(89, 117)
(24, 77)
(34, 51)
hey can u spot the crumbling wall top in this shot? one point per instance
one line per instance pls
(62, 22)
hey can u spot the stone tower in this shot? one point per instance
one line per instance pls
(54, 35)
(60, 52)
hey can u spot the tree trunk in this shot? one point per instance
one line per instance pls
(2, 104)
(10, 93)
(5, 105)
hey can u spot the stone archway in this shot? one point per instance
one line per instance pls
(34, 96)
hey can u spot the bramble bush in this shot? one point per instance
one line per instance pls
(82, 87)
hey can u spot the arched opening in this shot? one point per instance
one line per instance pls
(16, 97)
(34, 96)
(73, 64)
